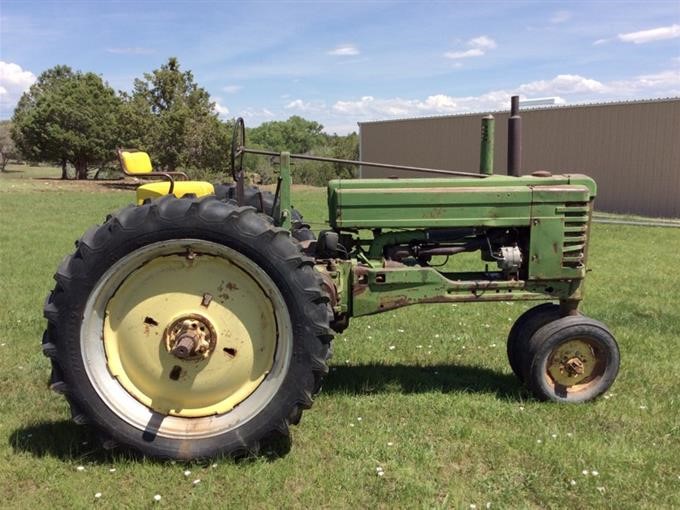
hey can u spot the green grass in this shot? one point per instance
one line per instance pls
(440, 412)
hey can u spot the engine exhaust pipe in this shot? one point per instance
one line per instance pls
(514, 138)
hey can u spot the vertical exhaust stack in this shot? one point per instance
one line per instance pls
(514, 138)
(486, 151)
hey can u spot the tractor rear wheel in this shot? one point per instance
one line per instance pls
(572, 359)
(187, 328)
(521, 332)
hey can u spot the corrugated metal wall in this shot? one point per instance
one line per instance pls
(631, 149)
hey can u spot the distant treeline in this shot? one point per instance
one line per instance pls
(77, 120)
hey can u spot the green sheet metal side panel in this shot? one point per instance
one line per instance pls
(439, 202)
(559, 231)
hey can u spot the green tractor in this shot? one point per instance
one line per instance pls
(199, 321)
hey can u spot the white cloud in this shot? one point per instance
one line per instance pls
(483, 42)
(131, 51)
(478, 47)
(564, 88)
(475, 52)
(220, 108)
(653, 34)
(562, 84)
(344, 50)
(255, 115)
(665, 83)
(306, 106)
(560, 17)
(232, 89)
(14, 81)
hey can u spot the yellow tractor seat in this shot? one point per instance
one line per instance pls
(181, 188)
(138, 164)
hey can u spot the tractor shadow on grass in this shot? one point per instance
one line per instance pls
(379, 378)
(70, 442)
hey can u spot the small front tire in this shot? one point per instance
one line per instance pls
(572, 359)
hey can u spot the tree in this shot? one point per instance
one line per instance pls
(67, 116)
(296, 135)
(7, 147)
(171, 117)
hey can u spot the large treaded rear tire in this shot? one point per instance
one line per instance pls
(213, 221)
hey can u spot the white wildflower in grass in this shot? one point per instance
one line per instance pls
(400, 330)
(80, 468)
(429, 352)
(437, 335)
(554, 436)
(594, 473)
(390, 443)
(214, 466)
(488, 504)
(584, 472)
(112, 470)
(601, 490)
(370, 337)
(197, 481)
(472, 506)
(392, 347)
(359, 418)
(606, 397)
(539, 441)
(368, 327)
(643, 407)
(381, 473)
(187, 473)
(569, 434)
(351, 424)
(157, 497)
(97, 495)
(521, 408)
(419, 346)
(572, 482)
(492, 345)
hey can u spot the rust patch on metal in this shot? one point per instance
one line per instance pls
(392, 302)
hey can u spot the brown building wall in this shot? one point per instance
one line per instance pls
(631, 149)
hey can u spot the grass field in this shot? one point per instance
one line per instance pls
(425, 393)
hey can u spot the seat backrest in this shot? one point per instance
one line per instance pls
(135, 162)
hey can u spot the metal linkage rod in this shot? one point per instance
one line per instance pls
(364, 163)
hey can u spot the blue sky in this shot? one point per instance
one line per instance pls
(345, 62)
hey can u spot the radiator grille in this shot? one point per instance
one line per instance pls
(576, 216)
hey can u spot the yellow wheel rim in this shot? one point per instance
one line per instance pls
(140, 312)
(217, 294)
(575, 365)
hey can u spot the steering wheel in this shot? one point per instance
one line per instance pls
(238, 142)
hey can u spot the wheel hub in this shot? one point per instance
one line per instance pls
(572, 363)
(190, 337)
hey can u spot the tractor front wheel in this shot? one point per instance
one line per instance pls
(187, 328)
(572, 359)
